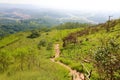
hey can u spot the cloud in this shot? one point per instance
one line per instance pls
(110, 5)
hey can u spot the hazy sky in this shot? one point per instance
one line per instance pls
(103, 5)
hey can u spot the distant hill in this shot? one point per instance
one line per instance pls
(20, 11)
(19, 17)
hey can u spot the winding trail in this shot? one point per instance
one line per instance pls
(75, 75)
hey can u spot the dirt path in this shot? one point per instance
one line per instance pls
(75, 75)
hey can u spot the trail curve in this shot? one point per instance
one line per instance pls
(75, 75)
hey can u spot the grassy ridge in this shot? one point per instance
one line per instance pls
(80, 56)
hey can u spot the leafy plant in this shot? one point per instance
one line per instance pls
(34, 34)
(107, 60)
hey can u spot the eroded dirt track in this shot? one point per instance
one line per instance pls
(75, 75)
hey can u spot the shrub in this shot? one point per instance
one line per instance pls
(42, 43)
(107, 59)
(49, 46)
(34, 34)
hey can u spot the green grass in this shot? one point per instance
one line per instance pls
(10, 39)
(18, 47)
(74, 55)
(26, 48)
(47, 71)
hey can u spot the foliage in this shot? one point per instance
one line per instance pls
(25, 57)
(82, 52)
(50, 46)
(107, 60)
(34, 34)
(8, 26)
(29, 59)
(5, 60)
(42, 43)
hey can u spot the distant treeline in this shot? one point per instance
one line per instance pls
(8, 26)
(12, 26)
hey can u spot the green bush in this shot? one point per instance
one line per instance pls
(107, 59)
(34, 34)
(49, 46)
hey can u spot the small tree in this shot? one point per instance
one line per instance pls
(107, 60)
(34, 34)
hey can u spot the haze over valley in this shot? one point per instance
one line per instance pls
(22, 11)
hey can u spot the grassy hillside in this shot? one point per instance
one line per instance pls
(23, 57)
(26, 55)
(94, 50)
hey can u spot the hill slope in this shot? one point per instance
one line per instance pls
(92, 49)
(26, 55)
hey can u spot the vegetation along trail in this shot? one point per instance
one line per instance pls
(75, 75)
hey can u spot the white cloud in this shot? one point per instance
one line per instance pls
(110, 5)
